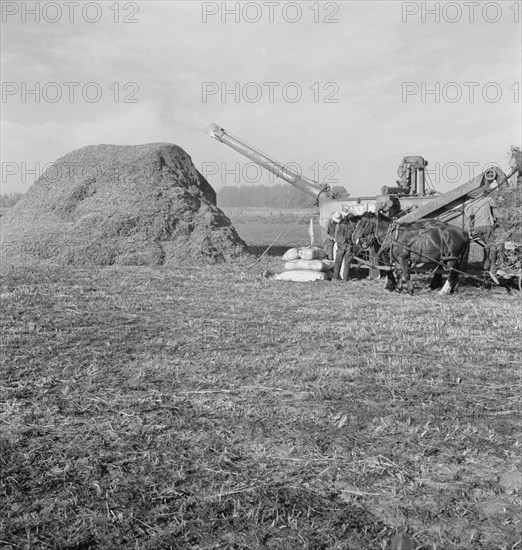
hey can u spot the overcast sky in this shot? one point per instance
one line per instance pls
(155, 71)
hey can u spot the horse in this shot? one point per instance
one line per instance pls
(425, 241)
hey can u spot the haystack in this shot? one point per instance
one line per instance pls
(509, 201)
(508, 234)
(130, 205)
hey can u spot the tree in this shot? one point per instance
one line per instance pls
(10, 199)
(275, 196)
(228, 196)
(340, 192)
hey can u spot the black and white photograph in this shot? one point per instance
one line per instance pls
(261, 275)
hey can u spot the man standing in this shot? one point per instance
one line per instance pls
(481, 218)
(343, 238)
(330, 234)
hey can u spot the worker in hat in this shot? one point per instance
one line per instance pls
(345, 247)
(481, 222)
(330, 234)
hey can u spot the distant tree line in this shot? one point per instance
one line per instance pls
(10, 199)
(272, 196)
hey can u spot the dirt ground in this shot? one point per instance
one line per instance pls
(209, 407)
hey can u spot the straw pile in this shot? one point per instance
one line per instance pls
(509, 221)
(508, 234)
(127, 205)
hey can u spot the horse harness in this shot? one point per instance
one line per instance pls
(391, 238)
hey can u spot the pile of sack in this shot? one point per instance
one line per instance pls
(306, 264)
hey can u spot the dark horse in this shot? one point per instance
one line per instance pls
(426, 241)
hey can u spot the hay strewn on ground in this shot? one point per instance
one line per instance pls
(155, 408)
(128, 205)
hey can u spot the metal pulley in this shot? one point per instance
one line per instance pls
(490, 174)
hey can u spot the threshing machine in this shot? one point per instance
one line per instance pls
(409, 196)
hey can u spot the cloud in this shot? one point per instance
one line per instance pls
(170, 53)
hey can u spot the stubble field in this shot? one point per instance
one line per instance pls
(207, 407)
